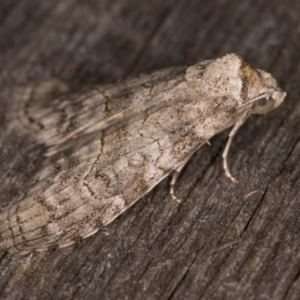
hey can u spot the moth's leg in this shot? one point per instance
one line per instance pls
(175, 177)
(233, 131)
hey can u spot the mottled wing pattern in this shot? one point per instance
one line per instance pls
(112, 144)
(56, 111)
(109, 145)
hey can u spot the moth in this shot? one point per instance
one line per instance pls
(108, 145)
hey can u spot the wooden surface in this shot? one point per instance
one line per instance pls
(224, 241)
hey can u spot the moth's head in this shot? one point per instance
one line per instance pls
(269, 96)
(259, 89)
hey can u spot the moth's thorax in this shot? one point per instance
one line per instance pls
(231, 77)
(221, 78)
(251, 81)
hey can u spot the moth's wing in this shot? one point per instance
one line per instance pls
(93, 176)
(55, 111)
(95, 179)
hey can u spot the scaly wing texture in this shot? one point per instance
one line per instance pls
(112, 145)
(55, 111)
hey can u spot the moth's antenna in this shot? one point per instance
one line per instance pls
(263, 95)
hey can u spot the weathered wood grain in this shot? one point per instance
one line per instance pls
(225, 241)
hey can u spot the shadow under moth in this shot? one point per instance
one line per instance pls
(108, 145)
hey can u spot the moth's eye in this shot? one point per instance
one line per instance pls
(263, 105)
